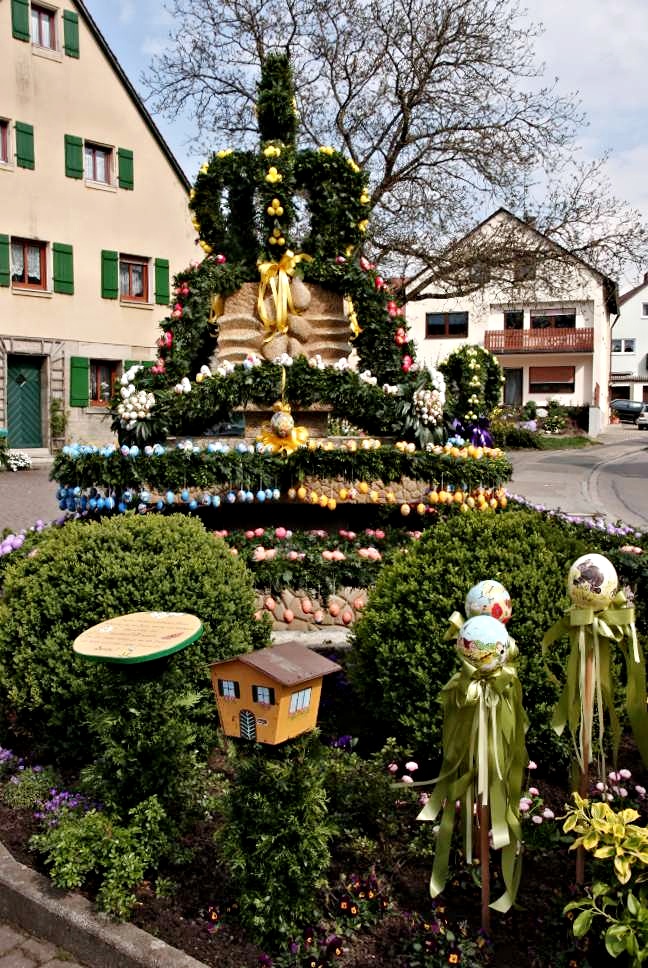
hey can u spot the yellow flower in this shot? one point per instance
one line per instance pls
(351, 163)
(204, 169)
(362, 226)
(364, 199)
(224, 152)
(271, 151)
(326, 150)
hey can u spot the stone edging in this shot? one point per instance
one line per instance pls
(68, 920)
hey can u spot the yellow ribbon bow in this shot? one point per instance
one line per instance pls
(277, 276)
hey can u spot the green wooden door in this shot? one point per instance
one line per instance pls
(24, 402)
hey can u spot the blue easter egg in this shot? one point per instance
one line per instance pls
(121, 507)
(261, 496)
(77, 491)
(134, 451)
(92, 504)
(62, 504)
(170, 497)
(100, 504)
(276, 494)
(159, 504)
(110, 503)
(185, 495)
(193, 504)
(216, 501)
(206, 499)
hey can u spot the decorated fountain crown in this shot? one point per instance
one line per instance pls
(483, 643)
(489, 597)
(592, 582)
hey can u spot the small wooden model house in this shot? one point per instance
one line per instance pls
(270, 695)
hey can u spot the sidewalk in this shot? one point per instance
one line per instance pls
(21, 950)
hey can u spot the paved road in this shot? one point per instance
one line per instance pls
(610, 479)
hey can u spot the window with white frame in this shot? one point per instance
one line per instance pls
(624, 345)
(300, 700)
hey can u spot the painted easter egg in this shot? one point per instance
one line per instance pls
(592, 582)
(489, 597)
(483, 643)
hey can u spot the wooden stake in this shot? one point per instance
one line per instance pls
(588, 720)
(484, 856)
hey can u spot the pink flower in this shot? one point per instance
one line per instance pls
(270, 554)
(600, 786)
(249, 535)
(259, 554)
(379, 535)
(548, 814)
(393, 767)
(625, 774)
(525, 805)
(534, 791)
(338, 555)
(640, 790)
(293, 555)
(411, 766)
(531, 765)
(340, 260)
(536, 819)
(221, 259)
(280, 533)
(406, 778)
(259, 532)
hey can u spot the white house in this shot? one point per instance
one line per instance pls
(94, 221)
(551, 335)
(629, 359)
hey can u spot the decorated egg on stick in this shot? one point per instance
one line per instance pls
(483, 643)
(592, 582)
(489, 598)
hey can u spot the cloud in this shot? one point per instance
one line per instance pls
(153, 44)
(126, 12)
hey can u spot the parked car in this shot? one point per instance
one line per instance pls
(642, 419)
(627, 409)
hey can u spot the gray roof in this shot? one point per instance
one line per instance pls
(289, 663)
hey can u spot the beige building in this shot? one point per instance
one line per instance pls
(551, 335)
(93, 223)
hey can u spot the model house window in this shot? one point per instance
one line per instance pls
(300, 700)
(554, 319)
(28, 264)
(43, 27)
(4, 142)
(446, 325)
(264, 695)
(98, 163)
(103, 374)
(552, 379)
(514, 319)
(644, 309)
(228, 688)
(624, 345)
(133, 278)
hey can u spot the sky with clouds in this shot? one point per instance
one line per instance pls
(596, 49)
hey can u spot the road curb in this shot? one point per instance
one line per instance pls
(28, 900)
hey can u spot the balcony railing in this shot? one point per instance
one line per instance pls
(547, 340)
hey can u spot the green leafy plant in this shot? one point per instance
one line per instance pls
(136, 726)
(118, 854)
(275, 838)
(27, 786)
(400, 659)
(473, 383)
(618, 905)
(58, 418)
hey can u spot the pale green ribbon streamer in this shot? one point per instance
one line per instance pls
(596, 631)
(483, 756)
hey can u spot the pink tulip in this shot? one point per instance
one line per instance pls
(259, 532)
(280, 533)
(249, 535)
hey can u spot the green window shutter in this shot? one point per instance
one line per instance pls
(71, 33)
(109, 274)
(129, 363)
(20, 19)
(73, 156)
(63, 268)
(5, 272)
(162, 292)
(24, 145)
(126, 175)
(79, 381)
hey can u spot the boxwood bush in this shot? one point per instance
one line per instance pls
(400, 660)
(126, 720)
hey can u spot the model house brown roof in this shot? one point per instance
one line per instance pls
(288, 663)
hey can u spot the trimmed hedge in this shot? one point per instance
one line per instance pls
(126, 718)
